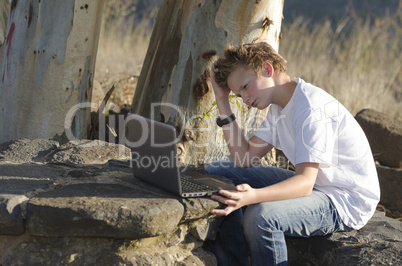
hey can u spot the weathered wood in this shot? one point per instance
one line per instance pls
(47, 67)
(4, 9)
(174, 83)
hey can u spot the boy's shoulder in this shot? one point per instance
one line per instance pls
(308, 103)
(311, 97)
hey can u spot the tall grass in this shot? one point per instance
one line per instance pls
(123, 43)
(358, 60)
(123, 40)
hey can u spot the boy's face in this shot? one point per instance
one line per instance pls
(256, 91)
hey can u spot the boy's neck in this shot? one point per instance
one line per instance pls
(284, 89)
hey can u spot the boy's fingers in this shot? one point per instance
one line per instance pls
(242, 187)
(229, 194)
(222, 199)
(222, 212)
(214, 68)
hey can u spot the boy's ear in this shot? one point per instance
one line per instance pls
(268, 69)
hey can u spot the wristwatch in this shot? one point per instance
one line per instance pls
(221, 122)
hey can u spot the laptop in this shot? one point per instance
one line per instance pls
(154, 160)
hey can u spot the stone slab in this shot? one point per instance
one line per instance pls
(16, 182)
(11, 220)
(377, 243)
(81, 212)
(102, 210)
(196, 208)
(29, 171)
(26, 150)
(173, 249)
(22, 178)
(85, 152)
(65, 251)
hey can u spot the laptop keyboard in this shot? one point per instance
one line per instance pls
(188, 185)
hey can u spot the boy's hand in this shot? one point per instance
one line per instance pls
(234, 200)
(220, 93)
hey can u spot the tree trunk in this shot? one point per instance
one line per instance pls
(174, 83)
(4, 9)
(47, 68)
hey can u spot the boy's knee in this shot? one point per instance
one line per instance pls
(252, 221)
(255, 220)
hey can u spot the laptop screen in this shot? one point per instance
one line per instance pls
(154, 152)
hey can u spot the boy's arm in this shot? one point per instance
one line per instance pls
(244, 152)
(301, 184)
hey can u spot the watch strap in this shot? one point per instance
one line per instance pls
(221, 122)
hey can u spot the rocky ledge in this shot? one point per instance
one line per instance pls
(79, 203)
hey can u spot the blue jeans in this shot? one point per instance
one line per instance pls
(260, 234)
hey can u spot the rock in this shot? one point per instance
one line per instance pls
(16, 182)
(86, 152)
(197, 208)
(205, 229)
(378, 243)
(26, 150)
(101, 251)
(194, 208)
(21, 178)
(11, 221)
(390, 183)
(78, 209)
(102, 210)
(384, 134)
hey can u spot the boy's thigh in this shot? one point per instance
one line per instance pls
(312, 215)
(256, 176)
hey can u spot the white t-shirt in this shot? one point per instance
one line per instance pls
(315, 127)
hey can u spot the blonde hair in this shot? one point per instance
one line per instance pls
(249, 56)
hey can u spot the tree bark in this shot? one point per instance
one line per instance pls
(4, 9)
(47, 68)
(174, 84)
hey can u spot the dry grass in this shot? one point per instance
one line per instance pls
(358, 60)
(122, 47)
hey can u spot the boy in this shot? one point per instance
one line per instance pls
(334, 186)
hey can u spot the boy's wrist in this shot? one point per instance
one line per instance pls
(224, 108)
(222, 98)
